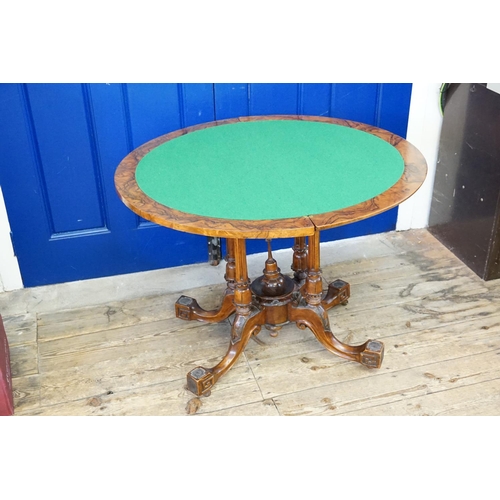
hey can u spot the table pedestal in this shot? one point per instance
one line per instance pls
(274, 300)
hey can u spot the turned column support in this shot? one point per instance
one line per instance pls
(299, 263)
(242, 293)
(313, 288)
(230, 275)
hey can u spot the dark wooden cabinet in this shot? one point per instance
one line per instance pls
(465, 209)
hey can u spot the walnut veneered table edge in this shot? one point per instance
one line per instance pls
(272, 300)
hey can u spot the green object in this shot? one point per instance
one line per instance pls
(269, 169)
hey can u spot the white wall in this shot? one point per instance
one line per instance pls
(494, 86)
(424, 127)
(10, 276)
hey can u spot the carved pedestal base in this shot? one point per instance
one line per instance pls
(274, 300)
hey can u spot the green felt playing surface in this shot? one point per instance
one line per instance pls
(269, 169)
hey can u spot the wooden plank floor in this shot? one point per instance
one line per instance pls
(439, 322)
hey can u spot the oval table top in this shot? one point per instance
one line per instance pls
(269, 176)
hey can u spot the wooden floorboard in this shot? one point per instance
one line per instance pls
(440, 324)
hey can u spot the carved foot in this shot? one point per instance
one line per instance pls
(200, 380)
(338, 292)
(373, 354)
(188, 309)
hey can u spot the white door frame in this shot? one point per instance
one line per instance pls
(424, 130)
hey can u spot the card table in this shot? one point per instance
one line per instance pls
(270, 177)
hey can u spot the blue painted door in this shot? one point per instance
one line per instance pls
(60, 145)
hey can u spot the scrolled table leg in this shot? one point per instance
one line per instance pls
(338, 292)
(200, 380)
(247, 322)
(188, 308)
(312, 313)
(369, 354)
